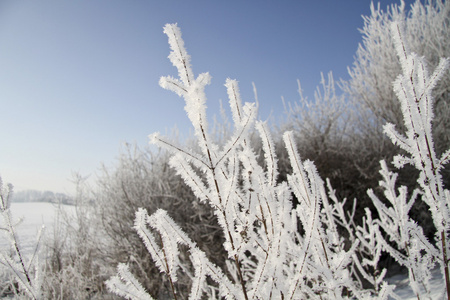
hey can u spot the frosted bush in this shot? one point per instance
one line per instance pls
(414, 90)
(269, 257)
(22, 269)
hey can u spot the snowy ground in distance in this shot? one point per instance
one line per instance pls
(35, 215)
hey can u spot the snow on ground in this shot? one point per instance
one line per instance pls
(404, 291)
(35, 215)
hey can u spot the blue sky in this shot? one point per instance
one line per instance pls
(78, 79)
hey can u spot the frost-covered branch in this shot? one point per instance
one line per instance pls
(412, 247)
(25, 270)
(270, 258)
(126, 285)
(413, 89)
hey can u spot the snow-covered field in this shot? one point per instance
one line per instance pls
(34, 215)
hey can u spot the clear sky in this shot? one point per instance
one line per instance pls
(78, 79)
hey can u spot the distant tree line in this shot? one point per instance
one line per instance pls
(41, 196)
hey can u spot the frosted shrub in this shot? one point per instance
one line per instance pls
(280, 251)
(365, 260)
(24, 269)
(376, 64)
(413, 89)
(323, 128)
(76, 261)
(374, 102)
(142, 178)
(323, 122)
(268, 257)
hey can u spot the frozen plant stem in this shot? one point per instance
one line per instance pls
(15, 243)
(167, 267)
(254, 211)
(446, 262)
(236, 257)
(199, 124)
(20, 270)
(413, 88)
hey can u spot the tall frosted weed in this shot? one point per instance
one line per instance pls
(413, 88)
(269, 258)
